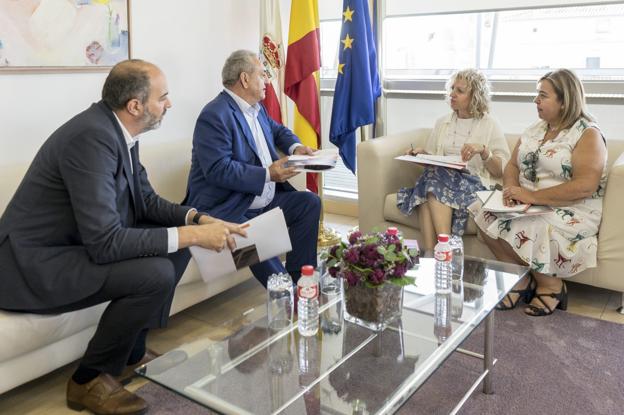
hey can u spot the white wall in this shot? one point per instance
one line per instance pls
(189, 40)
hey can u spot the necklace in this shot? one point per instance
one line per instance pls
(551, 133)
(468, 135)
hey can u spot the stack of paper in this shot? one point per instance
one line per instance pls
(321, 160)
(493, 202)
(453, 162)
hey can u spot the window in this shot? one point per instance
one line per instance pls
(330, 40)
(511, 44)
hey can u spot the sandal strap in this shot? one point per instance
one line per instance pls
(502, 306)
(539, 310)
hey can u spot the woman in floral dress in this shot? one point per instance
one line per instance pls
(441, 195)
(560, 161)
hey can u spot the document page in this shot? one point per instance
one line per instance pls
(453, 162)
(267, 237)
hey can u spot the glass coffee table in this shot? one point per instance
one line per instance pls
(352, 370)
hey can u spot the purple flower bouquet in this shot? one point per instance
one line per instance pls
(373, 267)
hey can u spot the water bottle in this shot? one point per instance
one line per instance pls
(457, 247)
(443, 264)
(308, 304)
(280, 301)
(331, 317)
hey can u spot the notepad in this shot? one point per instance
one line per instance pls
(493, 202)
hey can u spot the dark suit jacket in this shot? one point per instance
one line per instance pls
(75, 211)
(226, 171)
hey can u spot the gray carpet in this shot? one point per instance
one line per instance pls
(561, 364)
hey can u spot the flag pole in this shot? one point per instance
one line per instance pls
(327, 236)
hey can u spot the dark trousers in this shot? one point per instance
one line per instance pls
(140, 292)
(302, 212)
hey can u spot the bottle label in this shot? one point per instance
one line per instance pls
(309, 290)
(443, 256)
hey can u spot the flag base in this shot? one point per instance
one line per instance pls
(327, 236)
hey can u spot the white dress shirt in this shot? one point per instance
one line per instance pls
(172, 233)
(251, 116)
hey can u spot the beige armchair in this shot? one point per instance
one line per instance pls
(380, 176)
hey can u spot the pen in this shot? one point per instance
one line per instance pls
(488, 198)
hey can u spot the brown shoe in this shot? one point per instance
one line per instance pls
(128, 372)
(104, 396)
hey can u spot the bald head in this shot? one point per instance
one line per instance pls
(129, 79)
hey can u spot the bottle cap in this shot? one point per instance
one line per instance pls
(443, 237)
(392, 231)
(307, 270)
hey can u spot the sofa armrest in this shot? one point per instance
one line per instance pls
(379, 174)
(610, 236)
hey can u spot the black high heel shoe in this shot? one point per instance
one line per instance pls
(525, 295)
(561, 296)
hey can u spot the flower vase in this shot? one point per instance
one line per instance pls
(373, 307)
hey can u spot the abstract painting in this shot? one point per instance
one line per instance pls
(63, 34)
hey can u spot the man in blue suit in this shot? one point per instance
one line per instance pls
(236, 173)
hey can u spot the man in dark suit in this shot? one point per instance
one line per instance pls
(86, 227)
(236, 173)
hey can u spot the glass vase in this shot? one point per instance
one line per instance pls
(372, 307)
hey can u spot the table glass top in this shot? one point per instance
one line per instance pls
(354, 370)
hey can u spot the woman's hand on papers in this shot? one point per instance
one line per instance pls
(414, 151)
(469, 150)
(279, 173)
(517, 194)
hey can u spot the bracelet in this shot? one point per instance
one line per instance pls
(489, 157)
(196, 218)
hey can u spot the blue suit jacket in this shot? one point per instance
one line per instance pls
(226, 171)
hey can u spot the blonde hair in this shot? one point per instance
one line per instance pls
(479, 88)
(571, 94)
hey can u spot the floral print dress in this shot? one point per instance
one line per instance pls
(562, 242)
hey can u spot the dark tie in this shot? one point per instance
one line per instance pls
(135, 180)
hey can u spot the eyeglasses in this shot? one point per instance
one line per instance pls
(530, 160)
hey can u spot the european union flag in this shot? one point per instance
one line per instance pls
(357, 86)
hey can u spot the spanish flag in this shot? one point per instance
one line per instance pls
(272, 56)
(301, 82)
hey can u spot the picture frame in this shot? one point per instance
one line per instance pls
(63, 35)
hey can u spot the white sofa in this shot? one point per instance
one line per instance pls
(33, 345)
(380, 176)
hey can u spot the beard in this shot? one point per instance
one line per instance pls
(151, 121)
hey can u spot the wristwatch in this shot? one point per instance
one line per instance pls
(196, 218)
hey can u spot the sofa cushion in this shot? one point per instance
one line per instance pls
(393, 214)
(24, 332)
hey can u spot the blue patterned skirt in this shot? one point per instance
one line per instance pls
(454, 188)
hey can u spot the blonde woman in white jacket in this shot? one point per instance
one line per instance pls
(441, 195)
